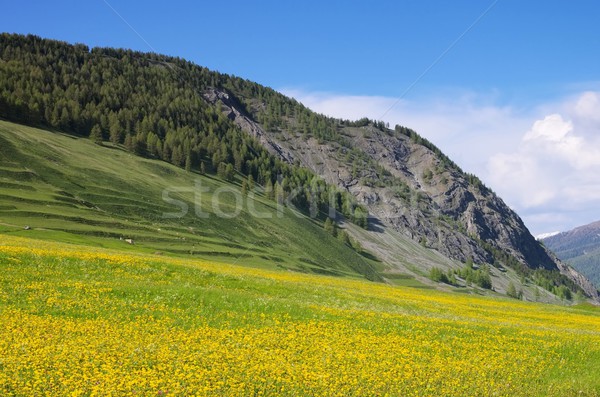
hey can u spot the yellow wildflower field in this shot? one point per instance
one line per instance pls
(80, 321)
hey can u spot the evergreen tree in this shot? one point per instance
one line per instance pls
(221, 170)
(128, 143)
(269, 190)
(96, 134)
(511, 291)
(436, 274)
(361, 217)
(344, 237)
(329, 226)
(279, 193)
(229, 172)
(177, 156)
(116, 134)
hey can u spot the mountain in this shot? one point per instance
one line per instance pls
(389, 195)
(546, 235)
(580, 248)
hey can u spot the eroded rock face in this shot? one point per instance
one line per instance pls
(451, 215)
(580, 280)
(439, 207)
(231, 107)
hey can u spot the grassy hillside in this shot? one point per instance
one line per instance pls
(70, 189)
(89, 321)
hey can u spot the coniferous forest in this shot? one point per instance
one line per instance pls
(152, 105)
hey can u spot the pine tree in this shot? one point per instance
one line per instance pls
(96, 135)
(129, 144)
(344, 237)
(511, 290)
(116, 135)
(269, 190)
(329, 226)
(361, 217)
(221, 170)
(177, 157)
(279, 193)
(229, 172)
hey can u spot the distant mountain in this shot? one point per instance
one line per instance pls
(580, 248)
(546, 235)
(397, 195)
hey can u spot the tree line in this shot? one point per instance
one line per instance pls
(152, 105)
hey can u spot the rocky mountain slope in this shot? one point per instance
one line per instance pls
(423, 210)
(580, 248)
(409, 187)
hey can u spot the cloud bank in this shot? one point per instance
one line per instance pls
(543, 161)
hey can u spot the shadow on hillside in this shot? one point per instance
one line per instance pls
(370, 256)
(375, 225)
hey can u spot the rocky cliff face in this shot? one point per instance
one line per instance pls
(411, 188)
(438, 206)
(233, 109)
(446, 211)
(581, 280)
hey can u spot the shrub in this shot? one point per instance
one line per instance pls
(436, 274)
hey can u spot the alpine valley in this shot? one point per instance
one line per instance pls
(102, 146)
(167, 230)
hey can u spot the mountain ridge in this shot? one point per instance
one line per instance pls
(457, 193)
(579, 247)
(463, 206)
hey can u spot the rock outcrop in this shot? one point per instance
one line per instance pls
(233, 109)
(413, 189)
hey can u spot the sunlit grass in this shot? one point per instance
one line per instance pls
(83, 321)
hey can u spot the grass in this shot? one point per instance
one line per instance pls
(69, 189)
(81, 320)
(236, 306)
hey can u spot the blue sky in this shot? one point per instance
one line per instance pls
(514, 100)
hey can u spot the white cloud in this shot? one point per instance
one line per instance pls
(521, 178)
(552, 128)
(351, 107)
(556, 137)
(558, 181)
(543, 161)
(587, 106)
